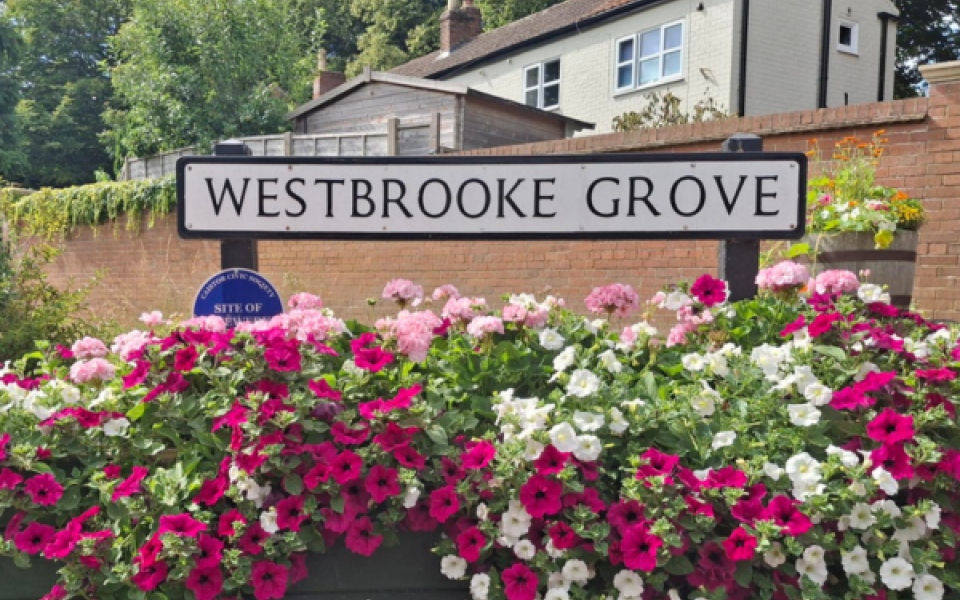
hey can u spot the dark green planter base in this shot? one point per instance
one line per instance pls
(26, 584)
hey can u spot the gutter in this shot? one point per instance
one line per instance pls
(742, 84)
(885, 19)
(576, 27)
(825, 52)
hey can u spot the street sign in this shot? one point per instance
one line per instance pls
(646, 196)
(238, 295)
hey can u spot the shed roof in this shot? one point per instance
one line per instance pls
(369, 76)
(557, 20)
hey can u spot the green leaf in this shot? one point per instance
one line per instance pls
(679, 565)
(744, 573)
(136, 412)
(336, 504)
(798, 250)
(650, 382)
(293, 484)
(437, 435)
(831, 351)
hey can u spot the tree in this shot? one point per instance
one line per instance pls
(63, 87)
(396, 31)
(497, 13)
(12, 159)
(929, 31)
(190, 73)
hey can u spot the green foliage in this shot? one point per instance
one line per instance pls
(51, 213)
(395, 31)
(664, 110)
(63, 87)
(497, 13)
(12, 159)
(191, 73)
(926, 32)
(30, 307)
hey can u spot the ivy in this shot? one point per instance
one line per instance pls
(53, 213)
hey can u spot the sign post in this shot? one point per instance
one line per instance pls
(236, 253)
(738, 261)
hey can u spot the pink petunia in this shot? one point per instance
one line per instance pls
(889, 427)
(382, 483)
(150, 575)
(541, 496)
(34, 539)
(284, 357)
(478, 456)
(130, 485)
(251, 543)
(9, 480)
(210, 551)
(182, 525)
(444, 503)
(322, 389)
(520, 582)
(269, 580)
(290, 513)
(346, 467)
(709, 290)
(227, 524)
(206, 583)
(740, 545)
(43, 489)
(551, 461)
(626, 514)
(470, 543)
(360, 538)
(639, 549)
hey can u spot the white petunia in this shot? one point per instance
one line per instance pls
(885, 481)
(533, 450)
(896, 574)
(723, 439)
(717, 363)
(803, 467)
(589, 448)
(483, 511)
(847, 458)
(864, 370)
(888, 506)
(775, 556)
(704, 405)
(932, 516)
(562, 361)
(617, 423)
(116, 427)
(927, 587)
(676, 301)
(564, 437)
(268, 521)
(576, 571)
(693, 362)
(480, 586)
(773, 471)
(818, 394)
(855, 561)
(583, 383)
(871, 293)
(556, 581)
(553, 551)
(816, 572)
(915, 530)
(628, 583)
(525, 550)
(588, 421)
(70, 394)
(453, 567)
(556, 594)
(804, 489)
(861, 516)
(551, 340)
(608, 360)
(803, 415)
(411, 496)
(813, 554)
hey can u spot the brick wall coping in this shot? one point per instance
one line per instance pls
(877, 114)
(941, 72)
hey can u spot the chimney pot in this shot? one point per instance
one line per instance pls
(459, 25)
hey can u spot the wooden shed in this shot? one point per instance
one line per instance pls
(421, 117)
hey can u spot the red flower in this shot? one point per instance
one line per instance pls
(639, 549)
(360, 538)
(551, 461)
(478, 456)
(563, 536)
(822, 324)
(382, 483)
(284, 356)
(9, 480)
(185, 359)
(936, 375)
(290, 513)
(740, 545)
(206, 583)
(784, 512)
(342, 434)
(625, 515)
(894, 459)
(269, 580)
(794, 327)
(298, 567)
(520, 582)
(890, 427)
(112, 471)
(211, 491)
(227, 520)
(410, 458)
(34, 538)
(444, 503)
(43, 489)
(150, 575)
(541, 496)
(211, 551)
(323, 390)
(183, 525)
(346, 467)
(394, 437)
(130, 485)
(709, 291)
(252, 540)
(136, 376)
(470, 543)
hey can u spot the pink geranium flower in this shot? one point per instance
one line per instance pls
(783, 276)
(709, 290)
(182, 525)
(89, 347)
(403, 292)
(520, 582)
(304, 301)
(43, 489)
(269, 580)
(614, 299)
(95, 369)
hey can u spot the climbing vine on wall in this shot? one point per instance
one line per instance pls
(53, 213)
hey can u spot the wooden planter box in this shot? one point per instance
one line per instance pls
(893, 267)
(408, 571)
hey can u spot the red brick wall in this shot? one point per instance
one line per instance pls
(157, 270)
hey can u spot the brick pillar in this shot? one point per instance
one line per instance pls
(459, 25)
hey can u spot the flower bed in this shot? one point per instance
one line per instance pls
(791, 446)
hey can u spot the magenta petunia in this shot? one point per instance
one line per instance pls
(709, 290)
(936, 375)
(150, 575)
(563, 536)
(185, 359)
(284, 356)
(322, 389)
(382, 483)
(182, 525)
(469, 544)
(894, 459)
(822, 324)
(212, 490)
(889, 427)
(227, 525)
(290, 513)
(394, 437)
(137, 375)
(794, 327)
(551, 461)
(269, 580)
(639, 548)
(4, 442)
(9, 479)
(740, 545)
(444, 503)
(343, 434)
(346, 467)
(130, 485)
(298, 567)
(251, 542)
(360, 538)
(520, 582)
(478, 455)
(783, 511)
(43, 489)
(542, 496)
(34, 539)
(206, 583)
(626, 515)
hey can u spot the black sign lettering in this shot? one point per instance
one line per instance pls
(730, 204)
(486, 198)
(761, 195)
(329, 183)
(448, 198)
(616, 201)
(645, 198)
(507, 198)
(700, 201)
(263, 197)
(227, 189)
(365, 196)
(537, 197)
(297, 197)
(387, 200)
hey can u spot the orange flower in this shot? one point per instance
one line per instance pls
(880, 132)
(811, 153)
(901, 196)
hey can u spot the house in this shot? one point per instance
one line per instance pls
(596, 59)
(410, 116)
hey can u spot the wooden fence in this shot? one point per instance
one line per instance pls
(397, 140)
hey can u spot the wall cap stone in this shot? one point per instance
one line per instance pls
(945, 72)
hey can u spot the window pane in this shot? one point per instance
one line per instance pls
(533, 77)
(649, 71)
(551, 71)
(551, 95)
(625, 51)
(625, 76)
(846, 35)
(532, 97)
(671, 64)
(673, 37)
(650, 43)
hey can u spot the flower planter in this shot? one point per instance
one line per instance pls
(893, 267)
(408, 571)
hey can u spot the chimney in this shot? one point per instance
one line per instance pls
(459, 25)
(326, 80)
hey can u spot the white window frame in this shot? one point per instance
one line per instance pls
(541, 84)
(854, 46)
(638, 58)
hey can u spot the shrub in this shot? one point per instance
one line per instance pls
(791, 446)
(664, 111)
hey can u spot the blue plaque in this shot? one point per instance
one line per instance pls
(238, 295)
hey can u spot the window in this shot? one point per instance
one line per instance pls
(649, 58)
(541, 85)
(848, 38)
